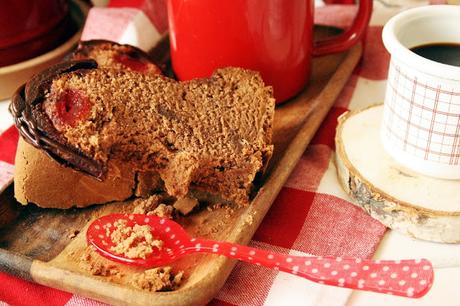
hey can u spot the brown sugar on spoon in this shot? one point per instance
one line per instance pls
(138, 242)
(132, 241)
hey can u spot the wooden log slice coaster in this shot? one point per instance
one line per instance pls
(420, 206)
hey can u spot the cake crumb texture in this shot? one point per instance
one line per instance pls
(154, 206)
(214, 134)
(151, 280)
(158, 279)
(185, 205)
(143, 206)
(162, 211)
(96, 267)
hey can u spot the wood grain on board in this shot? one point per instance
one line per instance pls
(46, 245)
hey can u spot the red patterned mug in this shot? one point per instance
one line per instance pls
(421, 115)
(274, 37)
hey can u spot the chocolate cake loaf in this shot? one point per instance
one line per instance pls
(210, 135)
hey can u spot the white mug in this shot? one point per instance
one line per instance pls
(421, 117)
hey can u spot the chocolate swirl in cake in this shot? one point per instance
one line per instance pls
(37, 129)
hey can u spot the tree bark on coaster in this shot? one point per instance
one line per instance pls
(416, 205)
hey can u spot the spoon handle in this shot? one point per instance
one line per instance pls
(410, 278)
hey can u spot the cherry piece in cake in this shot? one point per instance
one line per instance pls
(71, 107)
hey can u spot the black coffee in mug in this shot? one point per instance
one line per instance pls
(444, 53)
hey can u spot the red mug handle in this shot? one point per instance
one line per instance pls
(351, 36)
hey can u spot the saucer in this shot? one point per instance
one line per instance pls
(414, 204)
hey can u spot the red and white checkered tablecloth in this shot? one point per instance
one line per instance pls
(311, 215)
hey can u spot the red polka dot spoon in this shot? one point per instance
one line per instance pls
(409, 278)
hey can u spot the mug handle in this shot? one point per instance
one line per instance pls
(350, 37)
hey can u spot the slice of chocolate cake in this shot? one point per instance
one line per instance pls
(210, 135)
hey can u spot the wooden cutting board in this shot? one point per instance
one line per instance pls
(46, 245)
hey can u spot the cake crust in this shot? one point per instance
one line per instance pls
(43, 181)
(117, 56)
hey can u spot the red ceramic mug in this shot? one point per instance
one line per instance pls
(30, 27)
(22, 20)
(274, 37)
